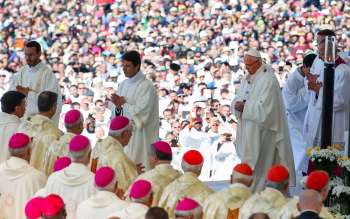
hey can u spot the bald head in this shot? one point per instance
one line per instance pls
(310, 200)
(259, 216)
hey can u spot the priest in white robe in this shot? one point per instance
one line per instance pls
(137, 99)
(13, 106)
(341, 97)
(263, 136)
(74, 183)
(295, 95)
(105, 201)
(18, 180)
(42, 129)
(34, 78)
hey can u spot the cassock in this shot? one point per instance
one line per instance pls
(290, 210)
(142, 107)
(160, 177)
(8, 126)
(262, 132)
(74, 184)
(44, 132)
(341, 101)
(38, 78)
(100, 205)
(269, 201)
(57, 149)
(18, 183)
(218, 205)
(295, 99)
(109, 152)
(187, 185)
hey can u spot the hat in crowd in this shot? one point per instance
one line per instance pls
(162, 147)
(72, 117)
(244, 169)
(119, 124)
(140, 189)
(52, 205)
(104, 176)
(61, 163)
(19, 140)
(197, 120)
(187, 207)
(317, 180)
(174, 66)
(277, 174)
(253, 52)
(193, 157)
(33, 207)
(79, 143)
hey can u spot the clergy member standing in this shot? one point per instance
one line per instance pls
(141, 199)
(13, 107)
(34, 78)
(137, 99)
(18, 180)
(110, 152)
(74, 123)
(53, 207)
(272, 199)
(105, 201)
(74, 183)
(42, 129)
(263, 137)
(318, 181)
(295, 97)
(188, 208)
(226, 203)
(162, 174)
(187, 185)
(341, 97)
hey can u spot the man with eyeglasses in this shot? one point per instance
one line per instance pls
(262, 133)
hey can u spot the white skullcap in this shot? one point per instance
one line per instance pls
(253, 52)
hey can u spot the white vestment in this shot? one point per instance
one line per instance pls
(74, 184)
(100, 205)
(18, 183)
(132, 211)
(341, 101)
(295, 99)
(142, 107)
(263, 137)
(38, 78)
(8, 126)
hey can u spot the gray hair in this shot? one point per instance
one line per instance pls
(110, 187)
(196, 213)
(19, 151)
(143, 200)
(280, 186)
(191, 168)
(80, 155)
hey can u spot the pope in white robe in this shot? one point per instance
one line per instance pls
(37, 78)
(341, 101)
(137, 99)
(295, 99)
(263, 136)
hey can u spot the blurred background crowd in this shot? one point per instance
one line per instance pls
(191, 50)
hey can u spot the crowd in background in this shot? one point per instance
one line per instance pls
(191, 50)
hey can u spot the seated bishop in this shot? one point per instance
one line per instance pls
(318, 181)
(162, 173)
(74, 183)
(110, 152)
(18, 180)
(187, 185)
(105, 201)
(226, 203)
(74, 123)
(42, 129)
(272, 199)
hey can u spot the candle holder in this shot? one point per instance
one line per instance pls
(329, 55)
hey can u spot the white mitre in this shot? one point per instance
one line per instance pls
(253, 52)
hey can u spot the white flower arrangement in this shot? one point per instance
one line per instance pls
(345, 163)
(336, 181)
(331, 154)
(340, 189)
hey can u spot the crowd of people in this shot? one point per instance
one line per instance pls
(194, 57)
